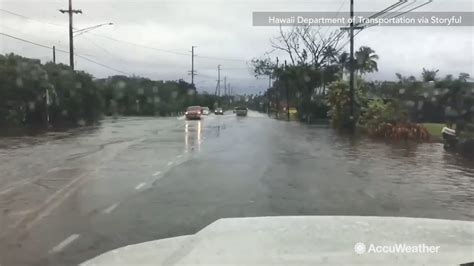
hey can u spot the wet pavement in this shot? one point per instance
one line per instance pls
(67, 197)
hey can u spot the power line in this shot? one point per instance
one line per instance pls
(404, 12)
(30, 18)
(166, 50)
(184, 53)
(63, 51)
(30, 42)
(102, 65)
(388, 9)
(140, 45)
(221, 58)
(338, 11)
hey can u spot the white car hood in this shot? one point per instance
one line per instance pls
(304, 240)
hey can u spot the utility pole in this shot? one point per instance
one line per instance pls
(277, 92)
(351, 29)
(192, 65)
(54, 54)
(269, 94)
(218, 86)
(71, 11)
(351, 75)
(225, 85)
(287, 96)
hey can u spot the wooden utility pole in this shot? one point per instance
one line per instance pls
(225, 85)
(71, 11)
(351, 66)
(277, 91)
(192, 65)
(54, 54)
(287, 95)
(218, 86)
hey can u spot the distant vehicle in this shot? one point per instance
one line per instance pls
(205, 110)
(218, 111)
(241, 111)
(193, 112)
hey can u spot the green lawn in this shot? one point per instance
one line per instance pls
(434, 128)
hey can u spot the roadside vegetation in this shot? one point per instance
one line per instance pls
(314, 80)
(36, 95)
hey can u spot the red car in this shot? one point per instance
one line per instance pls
(193, 112)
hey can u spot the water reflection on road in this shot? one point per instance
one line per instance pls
(137, 179)
(192, 135)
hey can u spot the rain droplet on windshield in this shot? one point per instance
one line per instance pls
(19, 82)
(410, 103)
(120, 84)
(81, 122)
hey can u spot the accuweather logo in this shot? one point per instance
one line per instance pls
(360, 248)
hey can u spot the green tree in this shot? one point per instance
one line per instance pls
(366, 60)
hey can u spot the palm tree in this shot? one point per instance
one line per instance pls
(343, 61)
(366, 60)
(429, 75)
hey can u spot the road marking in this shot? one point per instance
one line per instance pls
(369, 194)
(64, 244)
(52, 202)
(23, 212)
(170, 163)
(6, 190)
(111, 208)
(157, 173)
(179, 156)
(140, 186)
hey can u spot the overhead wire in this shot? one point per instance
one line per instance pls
(63, 51)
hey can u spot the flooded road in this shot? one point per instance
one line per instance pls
(67, 197)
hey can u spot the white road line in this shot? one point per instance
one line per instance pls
(170, 163)
(6, 190)
(140, 186)
(64, 244)
(179, 156)
(111, 208)
(56, 199)
(157, 173)
(369, 194)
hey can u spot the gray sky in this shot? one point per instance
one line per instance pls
(223, 33)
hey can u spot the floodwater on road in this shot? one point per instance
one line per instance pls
(66, 197)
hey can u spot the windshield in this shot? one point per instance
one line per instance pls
(194, 108)
(123, 122)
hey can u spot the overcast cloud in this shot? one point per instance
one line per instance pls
(223, 33)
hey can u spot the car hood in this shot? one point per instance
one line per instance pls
(304, 240)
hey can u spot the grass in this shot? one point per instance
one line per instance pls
(434, 128)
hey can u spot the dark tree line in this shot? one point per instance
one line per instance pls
(33, 94)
